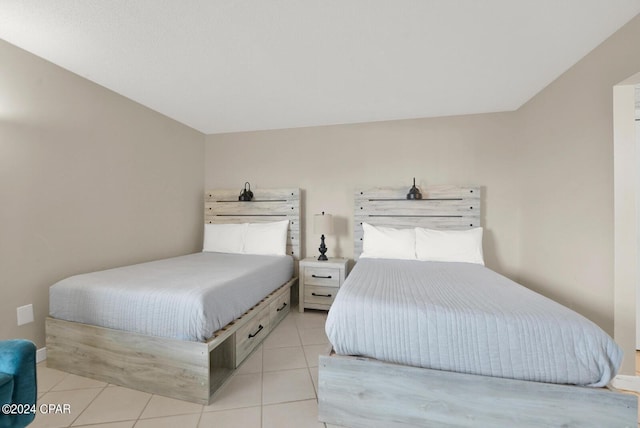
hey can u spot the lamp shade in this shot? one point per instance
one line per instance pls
(323, 224)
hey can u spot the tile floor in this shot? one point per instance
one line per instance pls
(275, 387)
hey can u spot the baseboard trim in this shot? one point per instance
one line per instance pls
(41, 355)
(626, 382)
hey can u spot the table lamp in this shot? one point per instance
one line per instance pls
(323, 224)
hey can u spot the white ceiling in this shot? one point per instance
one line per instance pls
(239, 65)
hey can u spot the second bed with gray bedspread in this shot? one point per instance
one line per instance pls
(466, 318)
(186, 298)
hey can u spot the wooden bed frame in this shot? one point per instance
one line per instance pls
(363, 392)
(190, 371)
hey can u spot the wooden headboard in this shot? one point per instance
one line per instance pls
(441, 207)
(222, 206)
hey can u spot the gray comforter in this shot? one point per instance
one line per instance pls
(466, 318)
(186, 298)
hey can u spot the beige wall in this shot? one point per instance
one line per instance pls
(546, 172)
(88, 180)
(329, 163)
(566, 139)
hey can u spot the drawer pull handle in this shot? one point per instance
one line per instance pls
(256, 333)
(284, 305)
(321, 295)
(320, 276)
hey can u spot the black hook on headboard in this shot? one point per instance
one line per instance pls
(414, 192)
(246, 194)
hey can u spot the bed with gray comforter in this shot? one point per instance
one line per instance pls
(464, 317)
(185, 298)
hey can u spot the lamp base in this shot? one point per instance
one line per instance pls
(323, 250)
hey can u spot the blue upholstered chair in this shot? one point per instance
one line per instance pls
(17, 380)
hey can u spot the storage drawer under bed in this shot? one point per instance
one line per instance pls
(279, 308)
(250, 335)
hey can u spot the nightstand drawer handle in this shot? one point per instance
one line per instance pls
(320, 276)
(284, 305)
(256, 333)
(321, 295)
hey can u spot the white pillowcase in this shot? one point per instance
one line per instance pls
(449, 245)
(388, 243)
(224, 238)
(269, 239)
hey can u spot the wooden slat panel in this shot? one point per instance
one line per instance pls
(444, 191)
(455, 223)
(251, 208)
(419, 208)
(359, 392)
(441, 223)
(294, 250)
(451, 207)
(213, 195)
(222, 206)
(226, 219)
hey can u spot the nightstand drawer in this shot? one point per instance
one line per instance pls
(250, 335)
(319, 295)
(327, 277)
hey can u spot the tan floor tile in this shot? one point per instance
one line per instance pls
(125, 424)
(253, 363)
(240, 391)
(284, 359)
(299, 414)
(72, 381)
(289, 320)
(313, 336)
(248, 417)
(287, 385)
(48, 378)
(311, 319)
(282, 336)
(78, 400)
(160, 406)
(182, 421)
(311, 353)
(114, 404)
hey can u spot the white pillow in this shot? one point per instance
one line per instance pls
(449, 245)
(269, 239)
(224, 238)
(388, 243)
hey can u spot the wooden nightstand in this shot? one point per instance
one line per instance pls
(320, 281)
